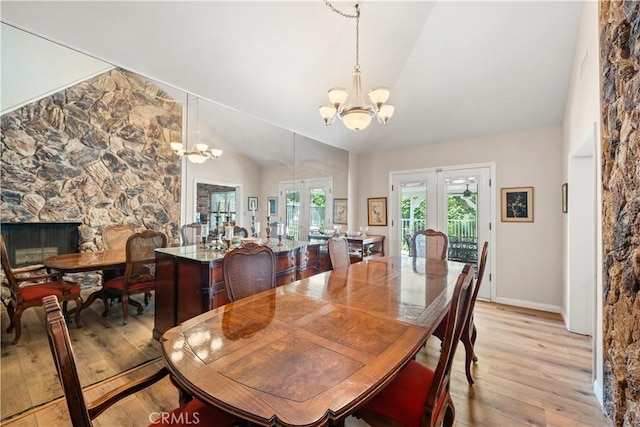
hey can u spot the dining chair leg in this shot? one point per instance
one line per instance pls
(78, 310)
(10, 312)
(474, 335)
(16, 323)
(136, 304)
(469, 354)
(105, 300)
(125, 310)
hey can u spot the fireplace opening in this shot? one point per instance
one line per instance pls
(29, 243)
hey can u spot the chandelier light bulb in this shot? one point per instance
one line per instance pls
(356, 118)
(337, 96)
(328, 113)
(196, 158)
(176, 146)
(201, 147)
(216, 153)
(385, 112)
(379, 95)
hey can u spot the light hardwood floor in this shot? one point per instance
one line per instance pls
(530, 372)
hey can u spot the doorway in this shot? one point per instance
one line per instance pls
(455, 200)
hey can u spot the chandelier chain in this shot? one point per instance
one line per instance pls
(355, 16)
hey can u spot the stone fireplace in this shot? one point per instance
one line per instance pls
(94, 154)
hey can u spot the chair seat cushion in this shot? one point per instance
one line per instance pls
(403, 398)
(38, 291)
(118, 284)
(194, 413)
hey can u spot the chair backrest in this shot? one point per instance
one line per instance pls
(240, 231)
(115, 236)
(429, 244)
(189, 233)
(458, 311)
(338, 252)
(248, 270)
(6, 266)
(141, 255)
(65, 362)
(481, 265)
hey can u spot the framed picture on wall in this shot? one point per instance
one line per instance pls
(339, 211)
(565, 198)
(377, 211)
(517, 204)
(273, 205)
(252, 203)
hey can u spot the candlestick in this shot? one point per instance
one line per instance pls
(268, 230)
(280, 231)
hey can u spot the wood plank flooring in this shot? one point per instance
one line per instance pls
(530, 372)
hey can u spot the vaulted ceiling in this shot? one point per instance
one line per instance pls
(455, 69)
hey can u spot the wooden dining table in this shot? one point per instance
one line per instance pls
(312, 352)
(79, 262)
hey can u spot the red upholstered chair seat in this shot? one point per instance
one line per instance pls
(33, 293)
(117, 283)
(193, 413)
(403, 399)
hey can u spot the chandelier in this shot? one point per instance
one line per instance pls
(355, 114)
(200, 152)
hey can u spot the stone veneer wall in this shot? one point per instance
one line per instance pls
(97, 153)
(620, 61)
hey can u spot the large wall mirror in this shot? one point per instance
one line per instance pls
(293, 178)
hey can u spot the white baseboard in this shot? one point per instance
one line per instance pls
(529, 304)
(597, 389)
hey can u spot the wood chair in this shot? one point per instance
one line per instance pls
(338, 252)
(115, 236)
(189, 233)
(139, 273)
(429, 244)
(240, 231)
(419, 396)
(28, 285)
(82, 414)
(248, 270)
(469, 333)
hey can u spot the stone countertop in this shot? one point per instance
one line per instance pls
(196, 253)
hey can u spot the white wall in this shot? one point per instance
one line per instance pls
(528, 255)
(582, 116)
(33, 67)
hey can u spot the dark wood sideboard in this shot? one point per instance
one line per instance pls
(189, 279)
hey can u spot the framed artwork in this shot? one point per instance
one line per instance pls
(517, 204)
(377, 209)
(252, 203)
(565, 198)
(273, 205)
(339, 211)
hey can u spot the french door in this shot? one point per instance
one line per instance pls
(307, 206)
(457, 201)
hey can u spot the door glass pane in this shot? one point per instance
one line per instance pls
(413, 211)
(292, 205)
(462, 218)
(317, 208)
